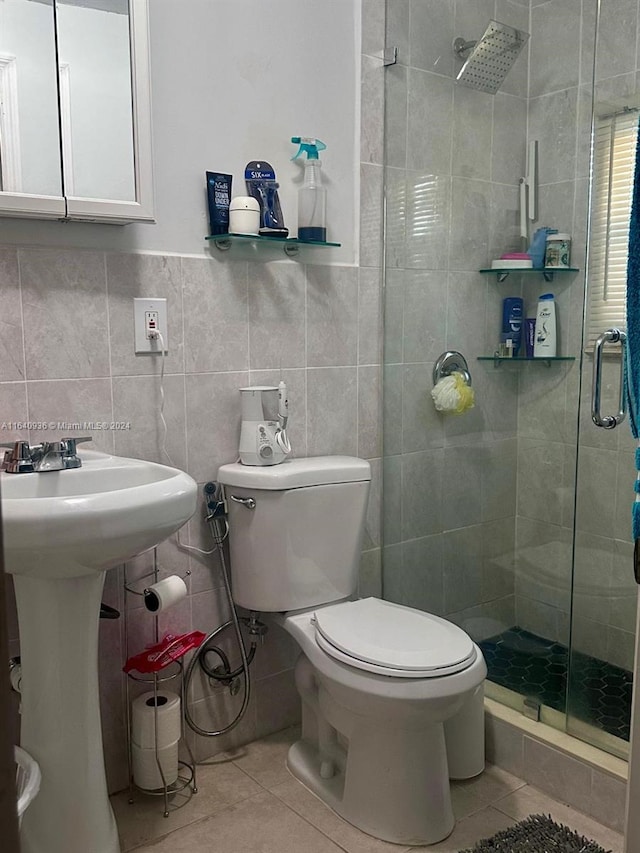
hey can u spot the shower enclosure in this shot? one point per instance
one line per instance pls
(513, 519)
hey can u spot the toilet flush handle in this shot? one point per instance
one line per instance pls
(250, 503)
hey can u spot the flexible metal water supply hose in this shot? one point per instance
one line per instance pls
(199, 656)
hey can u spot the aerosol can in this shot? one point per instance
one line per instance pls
(263, 435)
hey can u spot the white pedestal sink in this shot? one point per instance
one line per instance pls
(62, 531)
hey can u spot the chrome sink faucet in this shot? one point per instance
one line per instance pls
(60, 455)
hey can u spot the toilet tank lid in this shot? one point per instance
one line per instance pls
(296, 473)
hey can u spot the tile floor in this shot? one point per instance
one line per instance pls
(248, 800)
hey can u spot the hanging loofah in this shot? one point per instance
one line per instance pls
(452, 395)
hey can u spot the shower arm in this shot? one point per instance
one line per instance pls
(461, 46)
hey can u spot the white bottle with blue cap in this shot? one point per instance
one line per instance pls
(545, 345)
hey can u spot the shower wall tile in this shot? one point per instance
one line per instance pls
(332, 316)
(540, 470)
(64, 303)
(595, 511)
(431, 36)
(516, 14)
(422, 425)
(370, 317)
(277, 297)
(369, 412)
(554, 47)
(395, 196)
(504, 228)
(470, 210)
(413, 574)
(395, 109)
(508, 149)
(370, 575)
(425, 309)
(216, 322)
(553, 122)
(391, 502)
(462, 497)
(372, 94)
(617, 33)
(472, 17)
(499, 480)
(592, 577)
(466, 307)
(392, 409)
(427, 206)
(12, 355)
(371, 193)
(373, 522)
(393, 317)
(422, 479)
(498, 558)
(130, 276)
(471, 153)
(462, 568)
(621, 647)
(430, 114)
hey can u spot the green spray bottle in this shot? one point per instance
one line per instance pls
(312, 196)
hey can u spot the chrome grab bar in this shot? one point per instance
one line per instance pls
(611, 336)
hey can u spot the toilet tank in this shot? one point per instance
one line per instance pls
(299, 546)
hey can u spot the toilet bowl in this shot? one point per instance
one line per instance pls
(392, 697)
(379, 744)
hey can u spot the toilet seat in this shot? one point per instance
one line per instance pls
(390, 639)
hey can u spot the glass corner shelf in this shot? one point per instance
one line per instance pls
(290, 245)
(499, 359)
(547, 272)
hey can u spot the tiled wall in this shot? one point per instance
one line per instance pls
(454, 157)
(66, 353)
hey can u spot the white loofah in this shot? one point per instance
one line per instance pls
(452, 395)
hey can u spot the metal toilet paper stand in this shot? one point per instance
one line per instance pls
(186, 769)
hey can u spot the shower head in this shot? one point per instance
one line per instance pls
(491, 58)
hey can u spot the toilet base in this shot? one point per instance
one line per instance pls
(388, 780)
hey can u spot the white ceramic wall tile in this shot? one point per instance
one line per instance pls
(277, 305)
(150, 276)
(332, 316)
(76, 402)
(12, 356)
(136, 401)
(332, 411)
(64, 305)
(216, 327)
(213, 421)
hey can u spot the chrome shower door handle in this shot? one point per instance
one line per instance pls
(611, 336)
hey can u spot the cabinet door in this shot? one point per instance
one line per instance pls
(30, 164)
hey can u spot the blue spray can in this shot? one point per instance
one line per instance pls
(512, 318)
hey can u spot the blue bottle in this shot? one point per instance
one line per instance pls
(512, 317)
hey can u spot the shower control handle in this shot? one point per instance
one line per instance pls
(611, 336)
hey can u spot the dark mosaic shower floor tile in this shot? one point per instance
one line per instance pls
(537, 668)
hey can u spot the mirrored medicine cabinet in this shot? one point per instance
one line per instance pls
(75, 110)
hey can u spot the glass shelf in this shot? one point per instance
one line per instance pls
(498, 359)
(547, 272)
(290, 245)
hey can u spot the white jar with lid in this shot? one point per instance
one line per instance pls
(244, 215)
(558, 251)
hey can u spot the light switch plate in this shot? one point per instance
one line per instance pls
(140, 308)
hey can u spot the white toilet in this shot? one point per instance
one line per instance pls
(392, 698)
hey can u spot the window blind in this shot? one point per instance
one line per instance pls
(614, 165)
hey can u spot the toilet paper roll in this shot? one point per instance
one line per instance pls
(146, 773)
(143, 719)
(165, 593)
